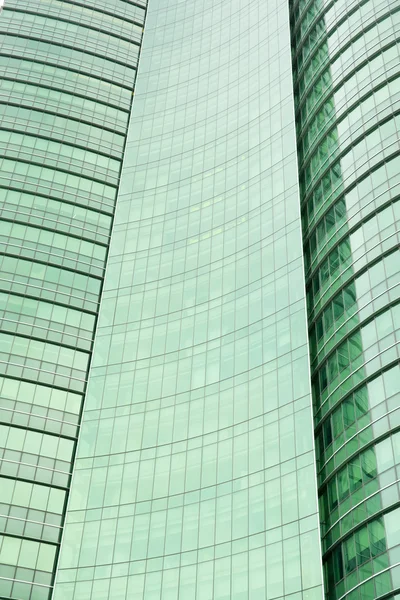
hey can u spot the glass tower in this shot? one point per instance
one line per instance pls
(346, 74)
(194, 475)
(200, 390)
(67, 72)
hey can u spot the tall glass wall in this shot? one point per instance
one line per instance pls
(195, 471)
(347, 91)
(67, 70)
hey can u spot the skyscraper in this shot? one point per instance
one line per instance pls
(192, 283)
(346, 82)
(67, 75)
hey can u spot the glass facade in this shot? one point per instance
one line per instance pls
(67, 71)
(347, 95)
(200, 300)
(195, 472)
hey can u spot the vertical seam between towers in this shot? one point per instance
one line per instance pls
(290, 22)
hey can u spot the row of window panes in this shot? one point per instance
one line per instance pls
(20, 508)
(78, 14)
(34, 468)
(33, 442)
(360, 510)
(374, 107)
(20, 589)
(59, 128)
(355, 304)
(315, 8)
(59, 319)
(256, 572)
(63, 32)
(16, 325)
(356, 473)
(210, 408)
(350, 560)
(71, 222)
(355, 419)
(349, 56)
(339, 35)
(348, 90)
(357, 349)
(44, 330)
(223, 325)
(66, 218)
(370, 192)
(65, 186)
(195, 292)
(41, 355)
(26, 528)
(50, 283)
(361, 438)
(49, 275)
(180, 474)
(147, 376)
(378, 33)
(67, 58)
(129, 10)
(365, 545)
(350, 416)
(315, 128)
(335, 11)
(332, 220)
(364, 430)
(33, 500)
(378, 105)
(63, 103)
(334, 265)
(48, 255)
(336, 223)
(378, 493)
(59, 155)
(14, 366)
(56, 214)
(180, 529)
(44, 400)
(327, 189)
(117, 505)
(91, 89)
(381, 144)
(384, 136)
(339, 311)
(363, 504)
(36, 238)
(22, 465)
(382, 227)
(27, 554)
(22, 414)
(227, 217)
(40, 404)
(200, 262)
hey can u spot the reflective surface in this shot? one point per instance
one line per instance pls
(347, 86)
(195, 474)
(67, 72)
